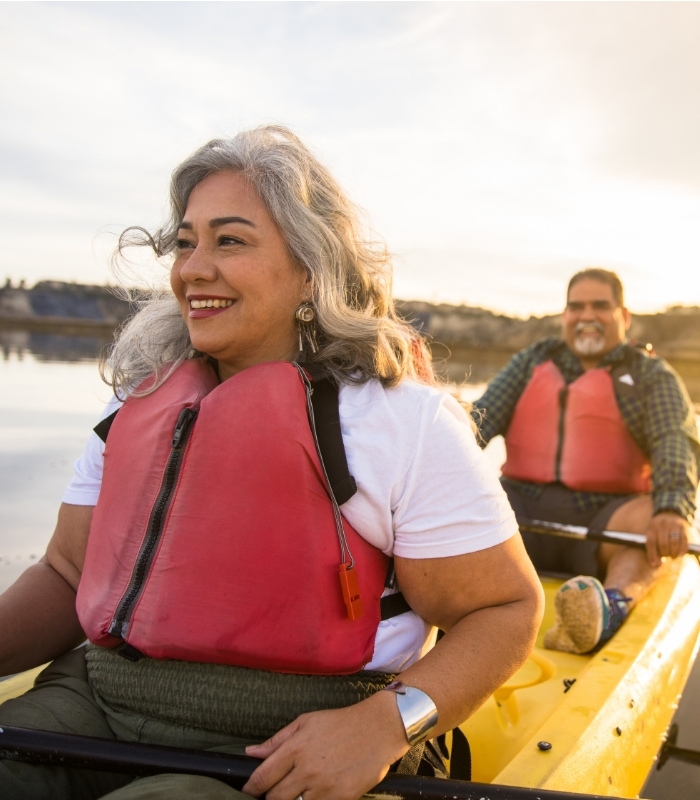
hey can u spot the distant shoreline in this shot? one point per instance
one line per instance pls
(465, 341)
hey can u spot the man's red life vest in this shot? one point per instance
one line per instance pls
(214, 537)
(574, 434)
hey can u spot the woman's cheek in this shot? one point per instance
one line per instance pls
(176, 282)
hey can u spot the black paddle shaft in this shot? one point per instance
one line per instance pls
(637, 540)
(104, 755)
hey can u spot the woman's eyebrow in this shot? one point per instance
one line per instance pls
(215, 223)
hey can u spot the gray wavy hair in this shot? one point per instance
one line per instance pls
(359, 334)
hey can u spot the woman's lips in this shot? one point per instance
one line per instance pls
(198, 313)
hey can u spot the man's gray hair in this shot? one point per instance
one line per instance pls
(359, 333)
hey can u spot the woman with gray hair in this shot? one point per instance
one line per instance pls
(276, 513)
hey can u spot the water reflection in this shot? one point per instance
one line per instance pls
(50, 346)
(51, 395)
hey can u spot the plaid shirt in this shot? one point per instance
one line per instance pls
(659, 415)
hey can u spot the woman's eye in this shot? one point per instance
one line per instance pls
(229, 240)
(183, 244)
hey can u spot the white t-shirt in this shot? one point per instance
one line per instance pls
(424, 490)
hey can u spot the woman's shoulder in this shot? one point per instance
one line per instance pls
(408, 396)
(408, 401)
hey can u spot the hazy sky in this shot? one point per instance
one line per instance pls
(497, 147)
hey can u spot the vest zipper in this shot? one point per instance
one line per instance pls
(120, 623)
(563, 396)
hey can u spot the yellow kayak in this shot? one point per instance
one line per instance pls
(590, 724)
(593, 723)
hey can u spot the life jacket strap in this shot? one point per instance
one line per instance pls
(393, 605)
(325, 402)
(103, 426)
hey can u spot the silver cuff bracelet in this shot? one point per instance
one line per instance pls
(417, 710)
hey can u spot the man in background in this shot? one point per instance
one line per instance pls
(599, 434)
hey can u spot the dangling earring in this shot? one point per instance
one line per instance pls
(305, 316)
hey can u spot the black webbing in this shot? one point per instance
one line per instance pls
(460, 757)
(324, 400)
(393, 605)
(103, 426)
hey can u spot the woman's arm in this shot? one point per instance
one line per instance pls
(490, 605)
(37, 613)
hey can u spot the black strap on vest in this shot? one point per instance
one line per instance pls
(103, 426)
(324, 400)
(392, 605)
(325, 403)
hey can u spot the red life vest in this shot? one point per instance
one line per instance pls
(574, 434)
(214, 537)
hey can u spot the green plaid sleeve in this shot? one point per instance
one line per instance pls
(672, 437)
(493, 410)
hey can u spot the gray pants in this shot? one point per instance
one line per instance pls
(550, 554)
(63, 701)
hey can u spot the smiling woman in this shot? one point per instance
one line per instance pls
(284, 208)
(233, 264)
(273, 519)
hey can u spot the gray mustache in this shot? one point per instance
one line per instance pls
(587, 326)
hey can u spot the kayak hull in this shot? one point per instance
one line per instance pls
(604, 715)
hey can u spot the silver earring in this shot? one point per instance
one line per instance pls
(305, 316)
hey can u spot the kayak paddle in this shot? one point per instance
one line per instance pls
(105, 755)
(637, 540)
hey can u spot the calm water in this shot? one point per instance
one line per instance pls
(50, 398)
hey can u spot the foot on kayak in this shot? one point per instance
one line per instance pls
(587, 615)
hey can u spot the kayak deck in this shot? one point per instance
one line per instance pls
(605, 715)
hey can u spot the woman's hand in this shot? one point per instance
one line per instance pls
(331, 755)
(490, 605)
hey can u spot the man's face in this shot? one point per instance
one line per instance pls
(593, 323)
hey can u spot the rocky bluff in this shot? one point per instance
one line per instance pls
(478, 342)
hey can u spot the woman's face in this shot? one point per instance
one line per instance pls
(234, 278)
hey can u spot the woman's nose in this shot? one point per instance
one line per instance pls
(199, 266)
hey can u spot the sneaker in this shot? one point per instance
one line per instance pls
(587, 615)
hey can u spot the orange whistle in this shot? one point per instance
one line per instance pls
(351, 591)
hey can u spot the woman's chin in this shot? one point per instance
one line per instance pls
(209, 346)
(209, 336)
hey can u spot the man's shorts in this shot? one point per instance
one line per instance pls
(555, 553)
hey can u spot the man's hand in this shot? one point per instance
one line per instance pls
(667, 535)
